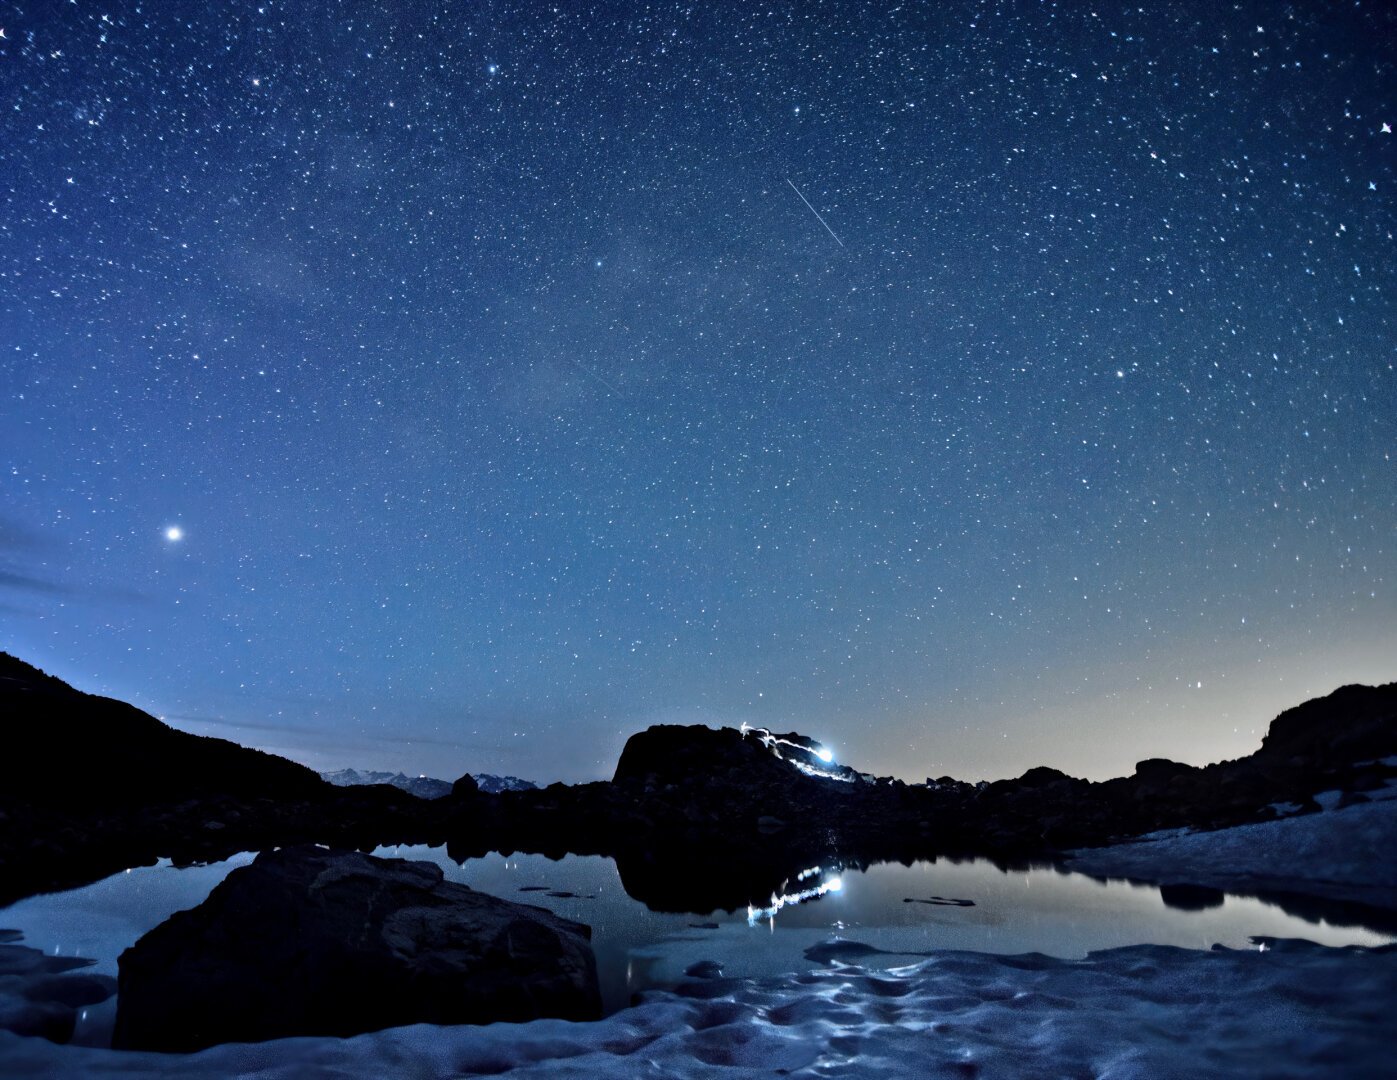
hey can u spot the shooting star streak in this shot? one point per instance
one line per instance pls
(605, 382)
(821, 220)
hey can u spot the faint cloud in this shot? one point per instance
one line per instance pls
(16, 536)
(12, 580)
(279, 729)
(22, 543)
(324, 736)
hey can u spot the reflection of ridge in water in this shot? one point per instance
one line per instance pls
(800, 896)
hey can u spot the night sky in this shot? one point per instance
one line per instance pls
(468, 386)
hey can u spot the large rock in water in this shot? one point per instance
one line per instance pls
(306, 941)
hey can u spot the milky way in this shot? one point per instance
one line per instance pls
(470, 385)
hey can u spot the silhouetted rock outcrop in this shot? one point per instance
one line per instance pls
(669, 753)
(1351, 724)
(308, 941)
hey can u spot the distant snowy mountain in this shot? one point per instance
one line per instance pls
(424, 787)
(491, 784)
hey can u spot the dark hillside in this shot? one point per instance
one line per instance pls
(68, 748)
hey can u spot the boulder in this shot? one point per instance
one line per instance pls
(307, 941)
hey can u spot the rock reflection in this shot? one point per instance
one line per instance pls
(695, 880)
(1191, 897)
(812, 883)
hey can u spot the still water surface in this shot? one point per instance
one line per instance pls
(1039, 910)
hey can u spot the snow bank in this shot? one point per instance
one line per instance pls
(1148, 1011)
(1337, 855)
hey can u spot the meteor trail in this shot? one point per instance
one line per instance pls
(821, 220)
(605, 382)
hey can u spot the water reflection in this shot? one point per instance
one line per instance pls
(1191, 897)
(694, 879)
(811, 884)
(655, 916)
(752, 921)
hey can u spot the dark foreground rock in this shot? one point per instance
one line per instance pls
(306, 941)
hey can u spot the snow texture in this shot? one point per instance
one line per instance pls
(1291, 1009)
(1337, 855)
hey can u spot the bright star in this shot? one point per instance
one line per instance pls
(174, 534)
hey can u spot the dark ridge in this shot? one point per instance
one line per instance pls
(30, 679)
(76, 749)
(1352, 723)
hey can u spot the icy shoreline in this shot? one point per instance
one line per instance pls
(1341, 855)
(1286, 1009)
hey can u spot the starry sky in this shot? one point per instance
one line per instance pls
(448, 386)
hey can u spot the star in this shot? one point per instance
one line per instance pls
(174, 534)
